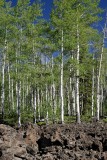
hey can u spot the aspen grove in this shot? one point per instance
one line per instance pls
(52, 70)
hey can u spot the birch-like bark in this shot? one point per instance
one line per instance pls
(35, 106)
(46, 98)
(92, 104)
(16, 81)
(101, 101)
(99, 72)
(23, 98)
(53, 97)
(69, 94)
(98, 83)
(12, 98)
(3, 75)
(27, 92)
(77, 77)
(32, 99)
(62, 96)
(72, 93)
(73, 101)
(19, 102)
(38, 103)
(9, 96)
(41, 101)
(68, 101)
(53, 103)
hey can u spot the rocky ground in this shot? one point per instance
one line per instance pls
(54, 142)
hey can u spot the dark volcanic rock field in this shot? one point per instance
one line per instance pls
(54, 142)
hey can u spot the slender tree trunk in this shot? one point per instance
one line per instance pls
(41, 103)
(68, 101)
(16, 80)
(32, 99)
(46, 98)
(73, 101)
(38, 102)
(23, 98)
(82, 103)
(72, 91)
(12, 98)
(19, 102)
(62, 96)
(101, 101)
(27, 92)
(35, 106)
(98, 84)
(53, 103)
(3, 75)
(70, 94)
(92, 105)
(9, 96)
(77, 77)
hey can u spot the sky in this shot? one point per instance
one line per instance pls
(103, 4)
(47, 8)
(48, 5)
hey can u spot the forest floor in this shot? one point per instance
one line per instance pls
(85, 141)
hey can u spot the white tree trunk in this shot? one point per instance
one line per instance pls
(23, 98)
(53, 102)
(16, 81)
(92, 105)
(3, 75)
(72, 91)
(9, 96)
(32, 99)
(98, 83)
(68, 101)
(19, 102)
(35, 106)
(62, 96)
(101, 101)
(53, 97)
(12, 98)
(46, 98)
(77, 78)
(38, 103)
(27, 92)
(73, 101)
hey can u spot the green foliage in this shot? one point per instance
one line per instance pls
(11, 118)
(41, 123)
(26, 116)
(105, 120)
(70, 119)
(86, 118)
(29, 43)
